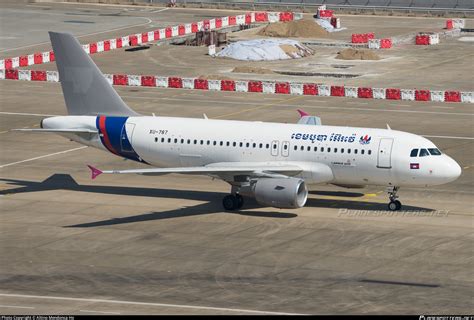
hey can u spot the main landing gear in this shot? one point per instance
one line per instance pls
(394, 204)
(233, 202)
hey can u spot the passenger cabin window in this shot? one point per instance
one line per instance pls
(267, 146)
(355, 151)
(315, 149)
(175, 140)
(322, 149)
(362, 151)
(156, 139)
(414, 153)
(342, 150)
(424, 153)
(302, 148)
(335, 150)
(296, 147)
(434, 151)
(162, 139)
(329, 149)
(369, 152)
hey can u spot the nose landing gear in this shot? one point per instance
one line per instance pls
(394, 204)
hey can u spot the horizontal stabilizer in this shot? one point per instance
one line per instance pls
(58, 130)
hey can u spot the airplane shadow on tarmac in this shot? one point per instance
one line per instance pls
(66, 182)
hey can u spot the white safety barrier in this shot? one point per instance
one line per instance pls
(100, 46)
(188, 28)
(268, 87)
(324, 90)
(296, 88)
(350, 92)
(378, 93)
(161, 82)
(15, 62)
(113, 44)
(109, 78)
(174, 31)
(240, 19)
(52, 76)
(225, 22)
(188, 83)
(273, 17)
(374, 44)
(31, 59)
(134, 80)
(151, 36)
(162, 33)
(408, 94)
(214, 85)
(437, 96)
(467, 97)
(212, 24)
(24, 75)
(241, 86)
(125, 41)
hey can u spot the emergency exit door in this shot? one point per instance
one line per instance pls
(384, 157)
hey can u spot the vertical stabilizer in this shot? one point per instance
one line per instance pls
(85, 89)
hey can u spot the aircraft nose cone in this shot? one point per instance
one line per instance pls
(453, 169)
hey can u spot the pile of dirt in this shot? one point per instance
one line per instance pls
(247, 69)
(297, 50)
(295, 29)
(357, 54)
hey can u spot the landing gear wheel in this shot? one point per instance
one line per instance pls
(394, 205)
(240, 201)
(230, 202)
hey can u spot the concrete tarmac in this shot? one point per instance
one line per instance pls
(163, 245)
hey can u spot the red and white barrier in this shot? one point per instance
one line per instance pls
(427, 38)
(268, 87)
(155, 35)
(380, 43)
(455, 23)
(362, 37)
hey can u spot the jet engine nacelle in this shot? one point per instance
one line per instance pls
(288, 193)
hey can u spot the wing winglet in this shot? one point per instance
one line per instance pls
(94, 171)
(303, 113)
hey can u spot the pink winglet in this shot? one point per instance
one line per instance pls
(95, 172)
(303, 113)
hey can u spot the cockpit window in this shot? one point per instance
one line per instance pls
(424, 153)
(434, 152)
(414, 153)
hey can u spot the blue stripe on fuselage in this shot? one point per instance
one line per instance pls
(117, 137)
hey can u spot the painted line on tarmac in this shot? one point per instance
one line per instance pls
(85, 35)
(166, 305)
(104, 312)
(19, 307)
(41, 157)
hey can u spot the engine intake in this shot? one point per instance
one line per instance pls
(288, 193)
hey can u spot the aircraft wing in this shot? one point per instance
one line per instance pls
(221, 170)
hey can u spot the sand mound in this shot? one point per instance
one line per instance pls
(296, 29)
(247, 69)
(357, 54)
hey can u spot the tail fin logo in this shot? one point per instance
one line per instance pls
(365, 139)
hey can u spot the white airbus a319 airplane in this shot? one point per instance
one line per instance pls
(273, 162)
